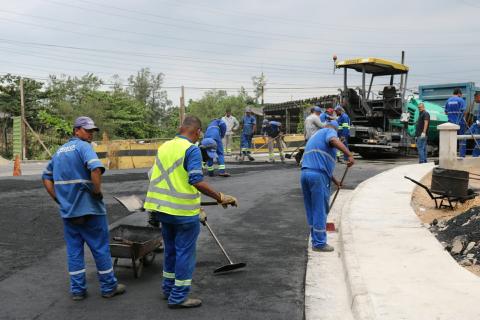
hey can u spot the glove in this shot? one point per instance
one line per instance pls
(226, 200)
(202, 216)
(97, 196)
(423, 135)
(478, 122)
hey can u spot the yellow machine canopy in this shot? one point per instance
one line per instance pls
(374, 66)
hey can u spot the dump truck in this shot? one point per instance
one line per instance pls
(383, 123)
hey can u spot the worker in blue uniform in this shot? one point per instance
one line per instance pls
(455, 110)
(73, 179)
(173, 196)
(475, 128)
(318, 165)
(249, 123)
(328, 115)
(216, 130)
(343, 121)
(271, 130)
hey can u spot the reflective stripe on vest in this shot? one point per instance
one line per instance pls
(169, 191)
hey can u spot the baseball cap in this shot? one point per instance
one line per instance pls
(211, 146)
(85, 123)
(248, 110)
(338, 108)
(333, 123)
(265, 121)
(330, 110)
(317, 109)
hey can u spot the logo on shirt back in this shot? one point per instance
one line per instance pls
(67, 149)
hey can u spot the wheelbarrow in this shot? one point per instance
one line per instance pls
(136, 243)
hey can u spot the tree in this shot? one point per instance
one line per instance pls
(214, 103)
(146, 87)
(259, 83)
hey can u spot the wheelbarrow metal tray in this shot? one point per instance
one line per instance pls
(143, 241)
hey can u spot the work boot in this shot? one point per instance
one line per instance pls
(189, 303)
(250, 157)
(120, 289)
(224, 174)
(325, 248)
(79, 297)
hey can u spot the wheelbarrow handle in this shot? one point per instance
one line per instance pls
(209, 203)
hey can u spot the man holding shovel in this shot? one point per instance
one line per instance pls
(317, 171)
(174, 198)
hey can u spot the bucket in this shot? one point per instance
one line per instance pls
(453, 183)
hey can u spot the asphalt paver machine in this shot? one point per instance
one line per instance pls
(383, 122)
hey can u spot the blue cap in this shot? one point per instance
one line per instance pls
(85, 123)
(211, 146)
(333, 123)
(317, 109)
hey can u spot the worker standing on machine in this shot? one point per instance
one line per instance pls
(174, 197)
(343, 121)
(216, 130)
(272, 135)
(232, 126)
(249, 127)
(455, 110)
(313, 123)
(317, 173)
(73, 179)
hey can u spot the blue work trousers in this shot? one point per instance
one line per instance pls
(220, 159)
(178, 259)
(316, 193)
(246, 143)
(462, 144)
(94, 232)
(344, 139)
(422, 149)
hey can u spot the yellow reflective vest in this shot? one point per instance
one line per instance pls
(169, 191)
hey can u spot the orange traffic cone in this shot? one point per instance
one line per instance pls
(16, 167)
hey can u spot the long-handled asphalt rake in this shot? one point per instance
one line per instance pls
(232, 265)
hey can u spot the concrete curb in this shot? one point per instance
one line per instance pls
(361, 302)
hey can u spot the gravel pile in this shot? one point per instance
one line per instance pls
(461, 236)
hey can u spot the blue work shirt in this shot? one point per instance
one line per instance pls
(248, 123)
(343, 125)
(319, 154)
(193, 165)
(216, 128)
(325, 117)
(70, 170)
(272, 130)
(454, 108)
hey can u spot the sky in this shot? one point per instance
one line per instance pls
(205, 44)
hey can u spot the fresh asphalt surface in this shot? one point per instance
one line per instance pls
(267, 231)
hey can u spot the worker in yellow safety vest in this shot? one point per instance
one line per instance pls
(173, 197)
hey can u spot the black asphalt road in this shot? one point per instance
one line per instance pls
(267, 231)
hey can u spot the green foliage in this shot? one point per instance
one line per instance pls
(138, 110)
(214, 103)
(61, 127)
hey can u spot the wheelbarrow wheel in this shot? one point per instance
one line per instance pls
(148, 259)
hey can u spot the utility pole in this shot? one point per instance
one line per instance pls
(22, 113)
(263, 87)
(182, 105)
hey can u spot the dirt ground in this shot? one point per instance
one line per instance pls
(425, 207)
